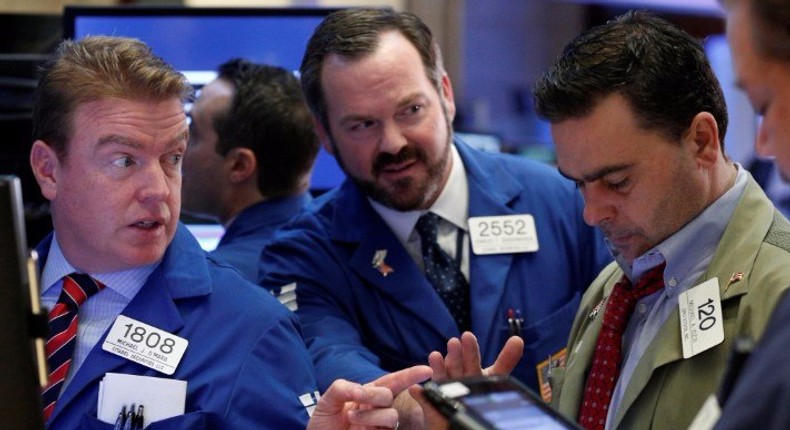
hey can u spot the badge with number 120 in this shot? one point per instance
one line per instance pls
(701, 325)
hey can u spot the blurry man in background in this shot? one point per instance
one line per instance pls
(759, 37)
(251, 151)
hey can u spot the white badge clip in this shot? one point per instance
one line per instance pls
(701, 325)
(145, 344)
(505, 234)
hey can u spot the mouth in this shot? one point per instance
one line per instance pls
(148, 225)
(617, 239)
(396, 168)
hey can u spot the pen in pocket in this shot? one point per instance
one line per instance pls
(133, 419)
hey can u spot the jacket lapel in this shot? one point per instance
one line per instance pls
(589, 321)
(357, 224)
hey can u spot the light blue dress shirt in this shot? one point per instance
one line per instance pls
(98, 313)
(687, 254)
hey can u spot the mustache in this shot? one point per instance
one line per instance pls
(408, 153)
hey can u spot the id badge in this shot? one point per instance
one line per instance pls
(145, 344)
(506, 234)
(701, 323)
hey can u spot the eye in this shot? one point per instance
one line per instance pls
(412, 111)
(614, 186)
(123, 161)
(362, 125)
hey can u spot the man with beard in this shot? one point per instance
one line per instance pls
(638, 119)
(373, 289)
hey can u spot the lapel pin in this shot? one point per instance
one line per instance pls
(736, 277)
(597, 308)
(379, 264)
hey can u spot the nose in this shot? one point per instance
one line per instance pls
(392, 138)
(596, 207)
(154, 184)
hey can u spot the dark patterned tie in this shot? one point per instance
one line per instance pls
(77, 288)
(606, 361)
(444, 273)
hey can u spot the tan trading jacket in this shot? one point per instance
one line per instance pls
(666, 391)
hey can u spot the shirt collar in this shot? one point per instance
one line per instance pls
(452, 203)
(125, 282)
(694, 242)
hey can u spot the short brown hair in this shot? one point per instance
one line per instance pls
(94, 68)
(355, 33)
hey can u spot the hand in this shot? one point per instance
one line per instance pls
(463, 358)
(433, 419)
(347, 405)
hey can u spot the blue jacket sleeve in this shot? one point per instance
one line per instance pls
(306, 257)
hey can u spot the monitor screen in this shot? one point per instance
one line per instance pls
(197, 40)
(20, 384)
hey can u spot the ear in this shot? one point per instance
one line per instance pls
(447, 96)
(323, 135)
(703, 137)
(242, 164)
(46, 168)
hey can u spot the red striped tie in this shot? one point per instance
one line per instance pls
(63, 333)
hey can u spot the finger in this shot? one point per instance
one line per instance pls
(453, 362)
(436, 361)
(381, 418)
(398, 381)
(508, 358)
(336, 396)
(471, 355)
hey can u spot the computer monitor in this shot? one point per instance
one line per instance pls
(22, 360)
(197, 40)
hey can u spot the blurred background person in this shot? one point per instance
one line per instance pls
(759, 36)
(251, 150)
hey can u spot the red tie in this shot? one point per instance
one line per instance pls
(63, 332)
(606, 361)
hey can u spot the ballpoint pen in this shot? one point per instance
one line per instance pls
(138, 422)
(127, 425)
(121, 417)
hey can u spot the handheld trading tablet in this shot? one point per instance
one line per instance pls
(493, 403)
